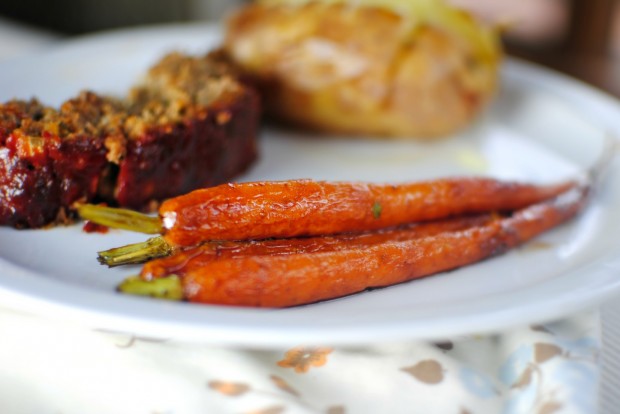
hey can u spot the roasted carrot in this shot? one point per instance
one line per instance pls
(284, 209)
(197, 256)
(305, 208)
(300, 278)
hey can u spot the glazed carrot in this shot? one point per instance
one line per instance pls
(301, 278)
(284, 209)
(306, 208)
(195, 257)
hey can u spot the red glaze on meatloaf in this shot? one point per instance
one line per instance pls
(48, 163)
(189, 124)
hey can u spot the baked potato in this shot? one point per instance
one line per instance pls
(377, 68)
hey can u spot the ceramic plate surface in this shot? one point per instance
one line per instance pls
(542, 128)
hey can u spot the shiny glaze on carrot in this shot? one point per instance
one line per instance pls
(307, 208)
(295, 279)
(182, 261)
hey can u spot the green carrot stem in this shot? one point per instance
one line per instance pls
(135, 253)
(120, 218)
(169, 287)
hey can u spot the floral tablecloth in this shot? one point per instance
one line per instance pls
(51, 367)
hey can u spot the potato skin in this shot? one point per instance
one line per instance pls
(360, 70)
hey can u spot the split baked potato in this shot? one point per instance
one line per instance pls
(379, 68)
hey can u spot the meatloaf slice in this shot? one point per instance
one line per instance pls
(189, 124)
(49, 160)
(185, 132)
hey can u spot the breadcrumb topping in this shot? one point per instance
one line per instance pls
(177, 88)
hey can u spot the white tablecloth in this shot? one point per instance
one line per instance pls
(52, 367)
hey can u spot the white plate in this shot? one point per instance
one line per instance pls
(543, 128)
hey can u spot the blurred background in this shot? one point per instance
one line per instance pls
(82, 16)
(579, 37)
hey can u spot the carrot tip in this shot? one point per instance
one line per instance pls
(169, 288)
(135, 253)
(119, 218)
